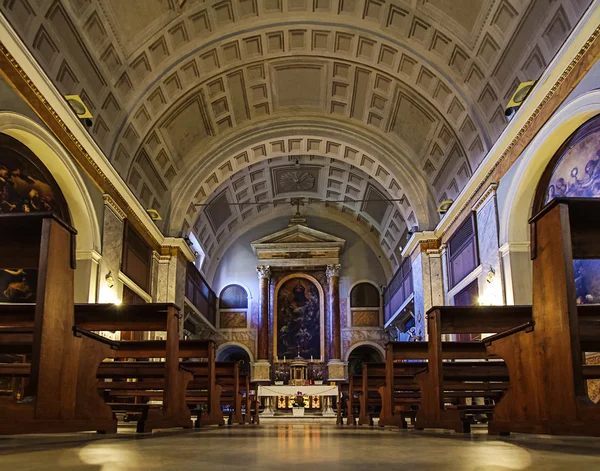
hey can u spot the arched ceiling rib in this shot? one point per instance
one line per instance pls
(170, 85)
(355, 199)
(330, 139)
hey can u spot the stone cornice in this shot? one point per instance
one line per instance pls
(114, 207)
(423, 240)
(490, 191)
(21, 70)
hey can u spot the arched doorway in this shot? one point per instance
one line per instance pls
(362, 354)
(236, 353)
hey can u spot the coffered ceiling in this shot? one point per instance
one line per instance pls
(264, 190)
(189, 95)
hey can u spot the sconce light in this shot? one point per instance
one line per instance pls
(490, 276)
(110, 282)
(154, 214)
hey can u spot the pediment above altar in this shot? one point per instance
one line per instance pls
(298, 245)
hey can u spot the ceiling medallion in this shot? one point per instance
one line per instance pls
(296, 180)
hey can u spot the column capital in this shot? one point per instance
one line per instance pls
(264, 271)
(333, 270)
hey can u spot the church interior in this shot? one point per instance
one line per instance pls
(281, 233)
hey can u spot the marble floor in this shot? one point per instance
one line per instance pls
(305, 447)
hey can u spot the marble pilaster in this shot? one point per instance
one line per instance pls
(428, 284)
(491, 290)
(110, 288)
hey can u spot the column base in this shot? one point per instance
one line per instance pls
(336, 370)
(261, 371)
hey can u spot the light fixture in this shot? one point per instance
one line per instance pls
(110, 281)
(78, 106)
(154, 215)
(491, 275)
(521, 93)
(444, 206)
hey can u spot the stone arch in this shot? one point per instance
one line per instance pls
(514, 227)
(331, 213)
(64, 170)
(517, 209)
(225, 347)
(330, 138)
(365, 343)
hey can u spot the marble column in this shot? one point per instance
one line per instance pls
(335, 366)
(262, 370)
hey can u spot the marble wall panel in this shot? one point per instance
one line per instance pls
(365, 318)
(233, 320)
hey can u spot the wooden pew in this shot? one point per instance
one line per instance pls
(56, 398)
(143, 318)
(401, 393)
(433, 412)
(547, 392)
(251, 401)
(151, 382)
(353, 401)
(228, 392)
(373, 377)
(342, 403)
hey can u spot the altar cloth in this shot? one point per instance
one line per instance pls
(323, 390)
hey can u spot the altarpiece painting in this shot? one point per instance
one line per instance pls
(298, 320)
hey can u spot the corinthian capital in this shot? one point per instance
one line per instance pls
(333, 270)
(264, 271)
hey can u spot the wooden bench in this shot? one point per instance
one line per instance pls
(433, 410)
(228, 392)
(547, 391)
(56, 397)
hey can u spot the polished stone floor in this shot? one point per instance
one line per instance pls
(298, 447)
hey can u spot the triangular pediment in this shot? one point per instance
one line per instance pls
(299, 234)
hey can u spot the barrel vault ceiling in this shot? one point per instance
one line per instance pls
(189, 96)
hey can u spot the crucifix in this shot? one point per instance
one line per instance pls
(297, 202)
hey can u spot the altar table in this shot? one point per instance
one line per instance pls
(314, 390)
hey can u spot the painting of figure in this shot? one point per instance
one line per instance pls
(298, 320)
(18, 285)
(26, 186)
(577, 174)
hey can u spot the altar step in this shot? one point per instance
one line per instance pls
(290, 419)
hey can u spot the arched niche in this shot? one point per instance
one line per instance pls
(365, 304)
(233, 351)
(82, 212)
(63, 169)
(363, 352)
(522, 188)
(234, 307)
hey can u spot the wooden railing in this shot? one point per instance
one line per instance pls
(398, 290)
(200, 294)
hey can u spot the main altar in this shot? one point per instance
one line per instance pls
(299, 302)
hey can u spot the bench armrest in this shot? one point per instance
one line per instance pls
(79, 332)
(527, 327)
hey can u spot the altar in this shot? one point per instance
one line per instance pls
(311, 393)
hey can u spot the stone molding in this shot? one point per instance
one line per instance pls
(263, 271)
(333, 270)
